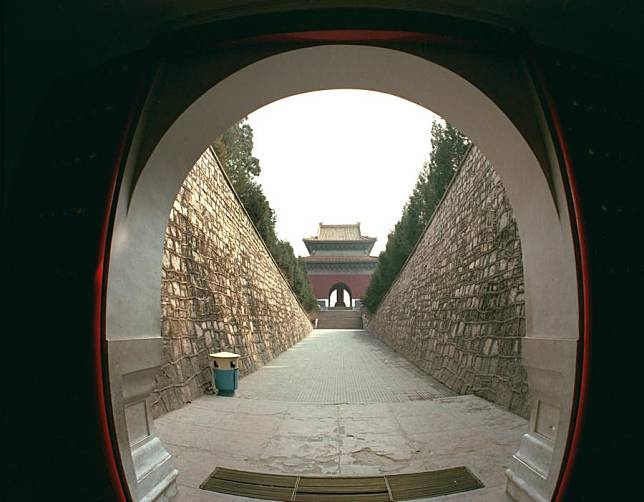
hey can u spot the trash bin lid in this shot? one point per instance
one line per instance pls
(225, 355)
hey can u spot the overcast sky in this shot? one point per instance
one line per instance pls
(339, 156)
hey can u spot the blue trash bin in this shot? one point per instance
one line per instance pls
(225, 373)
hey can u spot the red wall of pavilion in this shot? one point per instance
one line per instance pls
(357, 283)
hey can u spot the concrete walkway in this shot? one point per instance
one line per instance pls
(341, 403)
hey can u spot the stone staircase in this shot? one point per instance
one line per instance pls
(339, 319)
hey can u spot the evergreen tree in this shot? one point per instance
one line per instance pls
(235, 151)
(448, 149)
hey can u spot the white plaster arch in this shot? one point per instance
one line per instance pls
(133, 297)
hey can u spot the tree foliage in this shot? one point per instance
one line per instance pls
(448, 148)
(234, 149)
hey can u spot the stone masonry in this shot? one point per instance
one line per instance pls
(457, 309)
(221, 290)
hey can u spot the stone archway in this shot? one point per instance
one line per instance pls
(520, 149)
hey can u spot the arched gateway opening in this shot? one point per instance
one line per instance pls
(498, 110)
(340, 296)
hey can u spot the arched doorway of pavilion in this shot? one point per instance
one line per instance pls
(340, 296)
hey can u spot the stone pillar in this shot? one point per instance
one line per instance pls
(148, 466)
(534, 468)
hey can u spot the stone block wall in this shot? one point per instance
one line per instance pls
(457, 309)
(221, 290)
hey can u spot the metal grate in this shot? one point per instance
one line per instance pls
(368, 488)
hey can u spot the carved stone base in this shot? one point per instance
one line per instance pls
(520, 489)
(534, 468)
(148, 466)
(155, 472)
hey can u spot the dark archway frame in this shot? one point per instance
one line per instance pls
(559, 152)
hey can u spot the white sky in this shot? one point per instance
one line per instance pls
(339, 156)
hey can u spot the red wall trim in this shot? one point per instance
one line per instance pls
(584, 352)
(109, 444)
(355, 36)
(112, 459)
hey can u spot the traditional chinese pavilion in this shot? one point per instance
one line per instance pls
(339, 261)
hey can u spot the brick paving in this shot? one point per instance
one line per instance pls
(341, 367)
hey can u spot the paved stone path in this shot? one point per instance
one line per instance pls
(341, 367)
(341, 403)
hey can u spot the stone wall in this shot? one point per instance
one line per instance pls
(457, 309)
(221, 290)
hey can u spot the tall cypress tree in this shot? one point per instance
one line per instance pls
(235, 151)
(448, 148)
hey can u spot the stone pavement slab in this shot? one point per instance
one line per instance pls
(294, 417)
